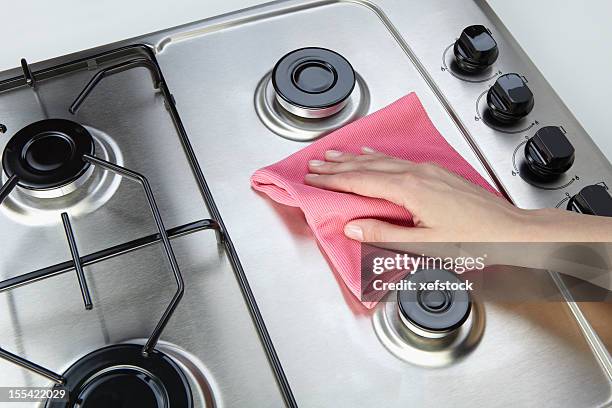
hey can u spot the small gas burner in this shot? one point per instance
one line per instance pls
(120, 376)
(46, 157)
(434, 313)
(313, 82)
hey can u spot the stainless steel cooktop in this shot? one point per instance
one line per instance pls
(264, 321)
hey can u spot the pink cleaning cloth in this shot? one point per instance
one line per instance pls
(401, 129)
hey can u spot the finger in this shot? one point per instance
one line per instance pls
(368, 151)
(371, 230)
(375, 163)
(388, 186)
(338, 156)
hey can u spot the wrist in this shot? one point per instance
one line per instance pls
(544, 225)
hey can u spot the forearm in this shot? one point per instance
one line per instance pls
(564, 242)
(554, 225)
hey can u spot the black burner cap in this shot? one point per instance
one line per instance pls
(119, 376)
(436, 310)
(125, 387)
(313, 78)
(48, 154)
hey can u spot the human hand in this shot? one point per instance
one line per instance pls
(444, 206)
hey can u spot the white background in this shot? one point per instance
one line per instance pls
(569, 40)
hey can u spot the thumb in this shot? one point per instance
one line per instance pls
(370, 230)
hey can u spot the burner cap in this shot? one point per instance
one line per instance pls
(434, 311)
(313, 82)
(48, 154)
(120, 376)
(124, 387)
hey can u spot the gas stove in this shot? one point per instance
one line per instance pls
(138, 266)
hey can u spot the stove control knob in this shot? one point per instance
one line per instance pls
(549, 153)
(509, 99)
(475, 50)
(592, 200)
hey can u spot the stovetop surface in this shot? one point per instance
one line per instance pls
(326, 341)
(313, 320)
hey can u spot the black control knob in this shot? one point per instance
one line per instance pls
(592, 200)
(475, 50)
(509, 99)
(549, 153)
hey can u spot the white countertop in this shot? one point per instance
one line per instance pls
(569, 41)
(569, 44)
(40, 29)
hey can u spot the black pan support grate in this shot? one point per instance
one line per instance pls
(145, 57)
(77, 262)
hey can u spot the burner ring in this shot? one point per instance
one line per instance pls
(119, 375)
(48, 154)
(313, 82)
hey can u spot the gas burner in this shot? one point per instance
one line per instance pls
(430, 327)
(47, 157)
(120, 376)
(313, 82)
(90, 191)
(434, 313)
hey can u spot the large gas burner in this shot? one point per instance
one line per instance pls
(120, 376)
(48, 155)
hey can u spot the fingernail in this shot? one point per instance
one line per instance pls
(333, 153)
(353, 232)
(311, 175)
(316, 163)
(366, 149)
